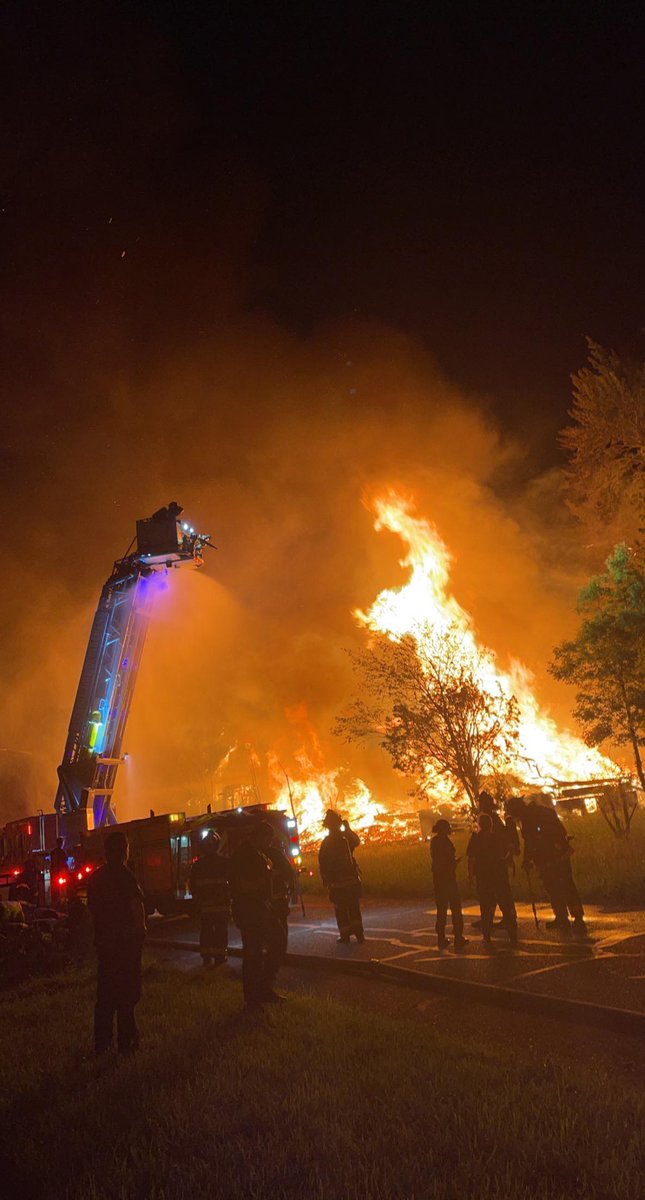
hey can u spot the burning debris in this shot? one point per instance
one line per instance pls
(545, 756)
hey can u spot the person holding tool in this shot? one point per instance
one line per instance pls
(547, 847)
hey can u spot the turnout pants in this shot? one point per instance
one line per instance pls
(117, 993)
(346, 899)
(493, 888)
(264, 945)
(447, 897)
(213, 935)
(561, 890)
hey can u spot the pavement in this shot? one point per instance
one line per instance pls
(607, 968)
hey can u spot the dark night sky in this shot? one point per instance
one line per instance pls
(469, 174)
(263, 258)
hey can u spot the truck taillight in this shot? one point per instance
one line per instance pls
(87, 870)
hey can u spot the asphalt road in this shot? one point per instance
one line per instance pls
(607, 968)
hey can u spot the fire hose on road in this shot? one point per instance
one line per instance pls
(619, 1020)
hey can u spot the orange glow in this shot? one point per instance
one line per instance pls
(424, 605)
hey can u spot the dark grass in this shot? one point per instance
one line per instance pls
(311, 1100)
(608, 870)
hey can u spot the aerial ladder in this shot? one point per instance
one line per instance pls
(93, 750)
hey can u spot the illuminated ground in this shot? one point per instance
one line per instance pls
(608, 968)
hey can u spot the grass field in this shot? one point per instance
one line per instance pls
(309, 1101)
(608, 870)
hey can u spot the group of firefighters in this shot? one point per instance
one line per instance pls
(256, 882)
(491, 853)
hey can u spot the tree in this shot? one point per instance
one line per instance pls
(606, 443)
(431, 712)
(606, 661)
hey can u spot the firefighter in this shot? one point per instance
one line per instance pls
(58, 857)
(283, 882)
(250, 873)
(115, 901)
(446, 891)
(341, 875)
(209, 887)
(547, 847)
(507, 831)
(487, 864)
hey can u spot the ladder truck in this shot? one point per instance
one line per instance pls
(162, 846)
(93, 750)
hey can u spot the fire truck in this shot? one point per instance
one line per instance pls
(162, 847)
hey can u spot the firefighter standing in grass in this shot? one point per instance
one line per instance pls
(341, 875)
(251, 878)
(488, 865)
(446, 891)
(115, 901)
(547, 847)
(209, 887)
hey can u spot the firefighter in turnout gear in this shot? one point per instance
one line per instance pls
(115, 901)
(283, 882)
(487, 864)
(506, 832)
(547, 847)
(252, 876)
(209, 887)
(446, 891)
(341, 875)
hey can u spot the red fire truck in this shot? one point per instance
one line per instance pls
(164, 847)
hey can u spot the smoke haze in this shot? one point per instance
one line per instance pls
(272, 443)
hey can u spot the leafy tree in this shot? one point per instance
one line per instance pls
(431, 713)
(606, 443)
(606, 661)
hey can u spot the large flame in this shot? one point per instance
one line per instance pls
(425, 606)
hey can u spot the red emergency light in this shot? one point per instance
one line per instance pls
(61, 880)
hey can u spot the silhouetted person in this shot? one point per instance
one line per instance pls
(115, 901)
(446, 891)
(341, 875)
(487, 864)
(547, 847)
(58, 857)
(31, 879)
(283, 881)
(209, 887)
(250, 873)
(506, 830)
